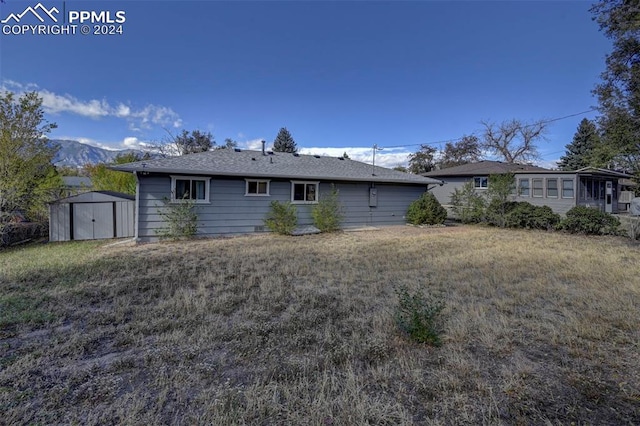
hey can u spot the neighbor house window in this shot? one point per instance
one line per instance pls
(552, 188)
(537, 188)
(523, 187)
(190, 188)
(304, 192)
(256, 187)
(567, 188)
(480, 182)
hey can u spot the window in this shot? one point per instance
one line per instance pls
(304, 192)
(480, 182)
(523, 187)
(552, 188)
(567, 188)
(189, 188)
(256, 187)
(537, 188)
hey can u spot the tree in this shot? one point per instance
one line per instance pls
(465, 151)
(284, 142)
(468, 204)
(228, 144)
(513, 140)
(580, 152)
(185, 143)
(619, 92)
(401, 168)
(105, 179)
(499, 191)
(194, 142)
(28, 178)
(422, 161)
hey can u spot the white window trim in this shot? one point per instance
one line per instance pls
(201, 178)
(249, 194)
(480, 177)
(306, 182)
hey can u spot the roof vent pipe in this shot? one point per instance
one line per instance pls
(263, 148)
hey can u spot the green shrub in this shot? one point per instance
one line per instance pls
(181, 220)
(468, 205)
(282, 218)
(497, 211)
(418, 315)
(526, 215)
(327, 214)
(426, 210)
(585, 220)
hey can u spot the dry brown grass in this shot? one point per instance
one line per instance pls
(540, 328)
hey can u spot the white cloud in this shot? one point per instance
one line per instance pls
(123, 111)
(253, 144)
(390, 158)
(54, 103)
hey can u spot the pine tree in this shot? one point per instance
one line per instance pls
(580, 152)
(619, 91)
(284, 142)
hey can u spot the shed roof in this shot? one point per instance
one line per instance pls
(484, 167)
(240, 163)
(96, 197)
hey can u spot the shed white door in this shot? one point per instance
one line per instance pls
(92, 221)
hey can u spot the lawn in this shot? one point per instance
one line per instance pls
(538, 328)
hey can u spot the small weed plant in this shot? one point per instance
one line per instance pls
(181, 220)
(419, 316)
(282, 218)
(327, 214)
(426, 210)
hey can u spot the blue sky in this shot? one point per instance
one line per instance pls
(341, 76)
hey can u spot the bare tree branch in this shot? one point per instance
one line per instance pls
(513, 140)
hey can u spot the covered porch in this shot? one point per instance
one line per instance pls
(604, 190)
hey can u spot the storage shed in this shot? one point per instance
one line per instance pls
(92, 216)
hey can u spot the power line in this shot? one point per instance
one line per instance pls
(551, 120)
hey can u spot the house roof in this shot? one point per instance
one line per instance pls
(253, 164)
(485, 167)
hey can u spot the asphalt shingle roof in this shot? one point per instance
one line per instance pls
(484, 167)
(229, 162)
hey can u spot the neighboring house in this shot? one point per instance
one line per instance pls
(560, 190)
(74, 185)
(233, 189)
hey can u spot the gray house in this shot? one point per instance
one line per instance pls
(603, 189)
(233, 189)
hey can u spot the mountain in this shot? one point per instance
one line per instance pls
(76, 154)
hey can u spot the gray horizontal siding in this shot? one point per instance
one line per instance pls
(229, 211)
(558, 204)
